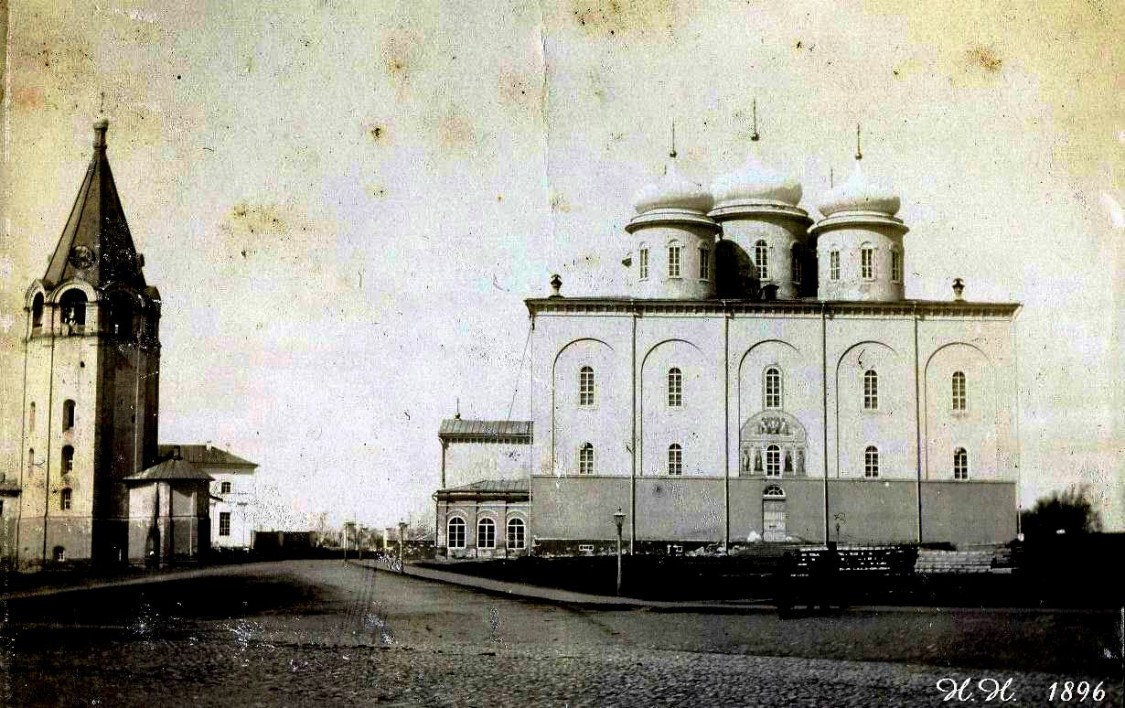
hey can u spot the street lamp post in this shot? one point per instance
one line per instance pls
(619, 519)
(401, 544)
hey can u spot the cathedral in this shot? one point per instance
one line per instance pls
(764, 380)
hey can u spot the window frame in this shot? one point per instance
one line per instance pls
(871, 390)
(773, 461)
(768, 396)
(586, 459)
(225, 487)
(675, 388)
(871, 462)
(514, 523)
(834, 266)
(675, 259)
(796, 265)
(32, 412)
(461, 536)
(224, 516)
(67, 459)
(960, 464)
(959, 394)
(587, 387)
(66, 499)
(675, 460)
(704, 263)
(642, 262)
(896, 265)
(762, 259)
(486, 540)
(867, 262)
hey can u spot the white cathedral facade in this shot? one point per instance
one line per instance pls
(767, 380)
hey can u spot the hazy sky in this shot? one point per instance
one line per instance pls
(344, 204)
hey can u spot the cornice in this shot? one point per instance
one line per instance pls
(923, 309)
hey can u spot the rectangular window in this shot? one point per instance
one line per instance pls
(867, 263)
(224, 488)
(224, 523)
(644, 264)
(704, 263)
(798, 270)
(896, 266)
(674, 261)
(834, 265)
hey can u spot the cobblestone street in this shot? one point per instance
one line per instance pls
(322, 633)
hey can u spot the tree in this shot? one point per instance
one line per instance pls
(1061, 513)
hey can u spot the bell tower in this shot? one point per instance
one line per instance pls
(91, 385)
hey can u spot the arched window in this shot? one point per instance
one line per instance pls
(675, 387)
(773, 491)
(486, 533)
(65, 499)
(37, 311)
(30, 460)
(586, 459)
(705, 263)
(73, 306)
(772, 389)
(773, 461)
(867, 262)
(642, 262)
(517, 534)
(675, 459)
(960, 399)
(762, 259)
(456, 532)
(871, 462)
(796, 265)
(586, 386)
(833, 265)
(870, 390)
(896, 266)
(67, 414)
(675, 250)
(67, 459)
(960, 464)
(31, 418)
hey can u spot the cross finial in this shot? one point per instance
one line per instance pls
(754, 137)
(673, 153)
(457, 413)
(858, 149)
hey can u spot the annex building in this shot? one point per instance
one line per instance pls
(765, 379)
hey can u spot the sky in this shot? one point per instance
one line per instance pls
(344, 204)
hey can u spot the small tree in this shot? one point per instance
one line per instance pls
(1067, 512)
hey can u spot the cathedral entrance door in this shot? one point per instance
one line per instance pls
(773, 520)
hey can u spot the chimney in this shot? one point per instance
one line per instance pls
(556, 285)
(958, 289)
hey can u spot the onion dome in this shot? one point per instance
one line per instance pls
(858, 193)
(754, 182)
(673, 191)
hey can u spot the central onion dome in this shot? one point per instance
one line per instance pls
(673, 191)
(754, 182)
(859, 194)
